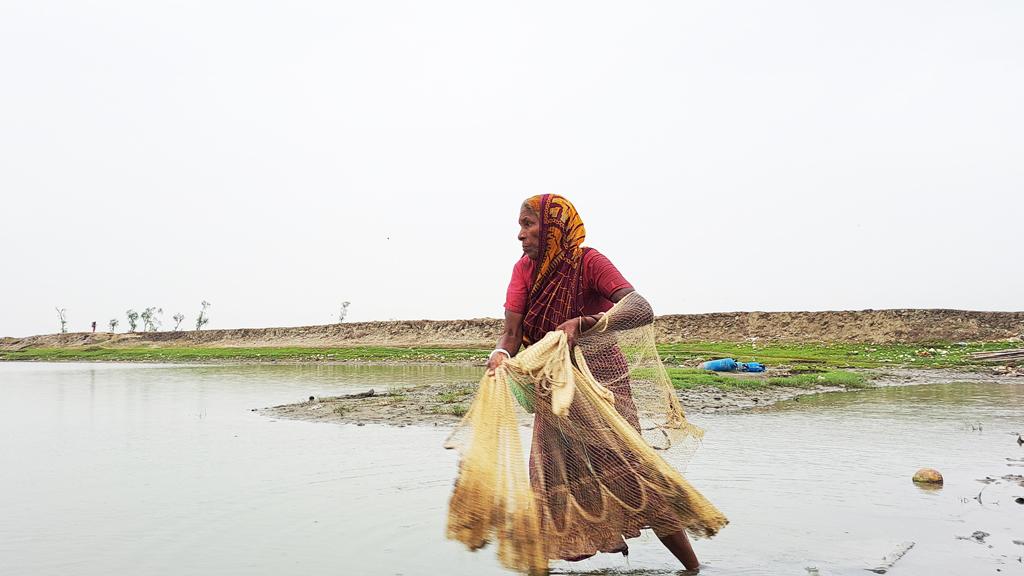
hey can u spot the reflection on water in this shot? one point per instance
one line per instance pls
(944, 400)
(164, 470)
(826, 481)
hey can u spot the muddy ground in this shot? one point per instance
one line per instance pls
(433, 405)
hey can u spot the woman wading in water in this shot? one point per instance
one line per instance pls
(559, 285)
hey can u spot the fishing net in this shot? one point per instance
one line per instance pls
(602, 418)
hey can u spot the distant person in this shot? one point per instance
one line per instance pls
(93, 326)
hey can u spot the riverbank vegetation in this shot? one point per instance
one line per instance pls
(800, 356)
(790, 365)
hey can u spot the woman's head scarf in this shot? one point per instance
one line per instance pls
(556, 293)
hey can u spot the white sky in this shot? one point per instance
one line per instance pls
(278, 158)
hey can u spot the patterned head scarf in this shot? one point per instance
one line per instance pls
(557, 288)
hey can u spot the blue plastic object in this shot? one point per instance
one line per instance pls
(723, 365)
(752, 367)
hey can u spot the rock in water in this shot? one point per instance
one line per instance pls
(928, 476)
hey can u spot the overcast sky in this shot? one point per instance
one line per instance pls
(278, 158)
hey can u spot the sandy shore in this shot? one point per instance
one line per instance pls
(434, 405)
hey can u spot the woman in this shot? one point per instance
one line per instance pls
(559, 285)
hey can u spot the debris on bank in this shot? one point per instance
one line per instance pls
(730, 365)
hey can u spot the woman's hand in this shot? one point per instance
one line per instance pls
(571, 327)
(496, 359)
(509, 343)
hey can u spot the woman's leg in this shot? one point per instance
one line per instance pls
(679, 545)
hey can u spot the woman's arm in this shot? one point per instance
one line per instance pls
(620, 294)
(510, 340)
(639, 314)
(573, 327)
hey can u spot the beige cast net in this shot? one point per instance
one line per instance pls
(601, 421)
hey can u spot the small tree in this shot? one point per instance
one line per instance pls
(113, 324)
(343, 312)
(201, 320)
(63, 320)
(177, 320)
(150, 321)
(133, 319)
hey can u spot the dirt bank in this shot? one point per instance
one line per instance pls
(868, 326)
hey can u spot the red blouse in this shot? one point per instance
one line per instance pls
(600, 280)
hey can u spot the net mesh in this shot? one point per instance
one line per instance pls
(602, 418)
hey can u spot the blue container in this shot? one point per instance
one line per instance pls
(723, 365)
(752, 367)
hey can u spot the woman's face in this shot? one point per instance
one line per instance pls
(529, 232)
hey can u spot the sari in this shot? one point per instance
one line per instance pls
(600, 412)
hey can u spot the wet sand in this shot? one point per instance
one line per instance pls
(444, 405)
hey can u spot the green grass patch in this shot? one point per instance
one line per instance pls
(800, 357)
(685, 378)
(829, 378)
(454, 396)
(457, 410)
(830, 356)
(395, 397)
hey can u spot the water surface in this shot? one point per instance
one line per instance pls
(146, 469)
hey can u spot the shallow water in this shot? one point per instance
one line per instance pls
(165, 470)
